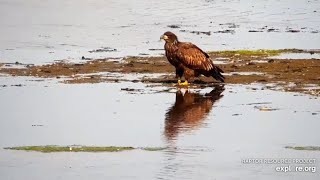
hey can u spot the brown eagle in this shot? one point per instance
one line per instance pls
(189, 60)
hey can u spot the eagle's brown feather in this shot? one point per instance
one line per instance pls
(191, 56)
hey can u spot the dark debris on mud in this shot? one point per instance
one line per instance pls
(287, 30)
(173, 26)
(197, 32)
(103, 49)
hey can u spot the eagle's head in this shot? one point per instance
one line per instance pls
(169, 37)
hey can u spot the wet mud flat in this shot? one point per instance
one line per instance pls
(240, 67)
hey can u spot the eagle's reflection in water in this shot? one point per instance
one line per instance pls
(186, 114)
(189, 111)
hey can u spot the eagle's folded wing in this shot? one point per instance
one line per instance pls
(193, 57)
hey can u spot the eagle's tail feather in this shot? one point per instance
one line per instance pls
(216, 73)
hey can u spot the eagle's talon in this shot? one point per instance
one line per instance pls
(185, 83)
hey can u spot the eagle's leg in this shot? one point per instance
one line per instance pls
(180, 71)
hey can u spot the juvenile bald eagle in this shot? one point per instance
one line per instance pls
(189, 60)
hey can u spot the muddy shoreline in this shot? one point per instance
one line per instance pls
(240, 67)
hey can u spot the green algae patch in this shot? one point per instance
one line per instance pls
(305, 148)
(74, 148)
(48, 149)
(154, 148)
(259, 52)
(247, 53)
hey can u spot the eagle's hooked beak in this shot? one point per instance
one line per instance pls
(164, 37)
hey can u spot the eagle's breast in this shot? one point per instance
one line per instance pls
(170, 49)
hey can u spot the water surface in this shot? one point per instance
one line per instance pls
(37, 31)
(208, 131)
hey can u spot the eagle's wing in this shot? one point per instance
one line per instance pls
(193, 57)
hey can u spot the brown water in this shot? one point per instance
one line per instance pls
(37, 31)
(208, 131)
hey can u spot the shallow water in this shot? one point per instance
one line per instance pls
(37, 31)
(208, 131)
